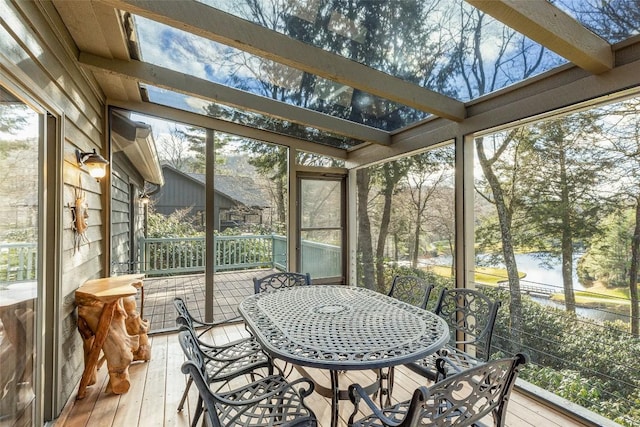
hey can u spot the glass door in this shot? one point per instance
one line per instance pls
(19, 180)
(321, 227)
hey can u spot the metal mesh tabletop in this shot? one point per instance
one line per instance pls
(342, 327)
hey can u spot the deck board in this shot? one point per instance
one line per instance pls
(157, 386)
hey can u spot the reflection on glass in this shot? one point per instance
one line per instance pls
(321, 253)
(256, 120)
(614, 20)
(321, 201)
(321, 229)
(190, 54)
(18, 257)
(447, 46)
(312, 159)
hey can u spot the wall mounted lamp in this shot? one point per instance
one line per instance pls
(95, 163)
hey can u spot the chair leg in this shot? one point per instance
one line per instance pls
(184, 395)
(199, 411)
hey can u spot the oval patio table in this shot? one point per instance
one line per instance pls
(341, 328)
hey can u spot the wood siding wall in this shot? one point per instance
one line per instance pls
(181, 192)
(38, 56)
(127, 216)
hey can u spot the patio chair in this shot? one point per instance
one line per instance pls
(186, 318)
(471, 316)
(223, 362)
(280, 280)
(269, 401)
(459, 400)
(411, 289)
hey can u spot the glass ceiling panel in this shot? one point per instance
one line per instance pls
(443, 45)
(181, 51)
(613, 20)
(222, 112)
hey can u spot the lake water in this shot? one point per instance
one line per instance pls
(547, 274)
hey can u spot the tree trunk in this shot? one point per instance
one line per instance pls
(567, 271)
(504, 217)
(416, 241)
(633, 275)
(567, 240)
(365, 246)
(280, 201)
(390, 181)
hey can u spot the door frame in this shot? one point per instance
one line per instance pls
(342, 178)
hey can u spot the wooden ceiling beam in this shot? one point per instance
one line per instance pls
(221, 27)
(546, 24)
(204, 89)
(194, 119)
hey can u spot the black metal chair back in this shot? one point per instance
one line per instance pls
(471, 316)
(280, 280)
(459, 400)
(268, 401)
(411, 289)
(184, 317)
(219, 363)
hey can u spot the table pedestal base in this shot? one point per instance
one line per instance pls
(383, 385)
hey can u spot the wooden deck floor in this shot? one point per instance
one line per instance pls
(157, 386)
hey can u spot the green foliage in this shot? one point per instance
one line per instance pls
(608, 258)
(178, 224)
(21, 235)
(438, 281)
(591, 364)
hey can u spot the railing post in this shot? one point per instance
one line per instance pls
(142, 254)
(215, 257)
(273, 251)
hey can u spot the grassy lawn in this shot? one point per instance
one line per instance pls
(596, 296)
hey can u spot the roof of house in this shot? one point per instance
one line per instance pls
(242, 189)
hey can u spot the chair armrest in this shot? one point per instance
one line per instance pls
(454, 360)
(265, 396)
(210, 325)
(357, 393)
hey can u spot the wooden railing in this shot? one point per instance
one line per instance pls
(18, 261)
(165, 256)
(170, 256)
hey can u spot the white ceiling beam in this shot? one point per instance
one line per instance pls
(546, 24)
(200, 88)
(213, 24)
(199, 120)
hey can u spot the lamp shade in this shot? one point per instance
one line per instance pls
(94, 162)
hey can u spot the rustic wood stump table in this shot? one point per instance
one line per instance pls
(109, 322)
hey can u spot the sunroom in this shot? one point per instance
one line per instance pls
(490, 145)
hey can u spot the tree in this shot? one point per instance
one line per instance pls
(442, 224)
(174, 148)
(513, 58)
(389, 175)
(624, 135)
(272, 162)
(505, 210)
(365, 240)
(566, 200)
(428, 170)
(608, 258)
